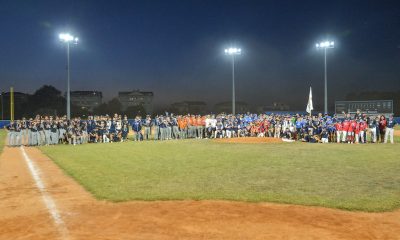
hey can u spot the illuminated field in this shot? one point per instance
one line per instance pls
(352, 177)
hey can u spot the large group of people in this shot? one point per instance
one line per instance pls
(49, 130)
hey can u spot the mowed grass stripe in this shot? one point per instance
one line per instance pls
(352, 177)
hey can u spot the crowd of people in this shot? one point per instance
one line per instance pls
(48, 130)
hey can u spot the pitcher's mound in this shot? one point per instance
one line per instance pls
(249, 140)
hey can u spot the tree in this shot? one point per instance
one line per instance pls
(113, 106)
(134, 111)
(45, 100)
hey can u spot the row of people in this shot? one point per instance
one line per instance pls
(50, 130)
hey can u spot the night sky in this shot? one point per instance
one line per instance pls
(176, 48)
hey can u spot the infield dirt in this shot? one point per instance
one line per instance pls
(24, 214)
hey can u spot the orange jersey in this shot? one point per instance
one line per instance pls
(187, 120)
(182, 123)
(199, 121)
(192, 121)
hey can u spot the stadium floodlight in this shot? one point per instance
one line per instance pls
(67, 39)
(233, 52)
(325, 45)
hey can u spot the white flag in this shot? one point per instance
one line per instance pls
(309, 104)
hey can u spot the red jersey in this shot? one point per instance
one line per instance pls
(261, 129)
(338, 126)
(346, 125)
(382, 124)
(363, 126)
(352, 126)
(357, 128)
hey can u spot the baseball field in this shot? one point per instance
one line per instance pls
(201, 189)
(351, 177)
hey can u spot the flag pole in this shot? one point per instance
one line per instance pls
(309, 103)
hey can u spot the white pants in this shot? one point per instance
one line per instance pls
(373, 134)
(324, 140)
(105, 139)
(228, 133)
(389, 133)
(362, 136)
(338, 133)
(277, 133)
(344, 136)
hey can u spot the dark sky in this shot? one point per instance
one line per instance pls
(175, 48)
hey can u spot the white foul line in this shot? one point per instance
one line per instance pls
(47, 199)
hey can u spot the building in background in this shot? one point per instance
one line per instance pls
(192, 107)
(226, 107)
(86, 99)
(136, 98)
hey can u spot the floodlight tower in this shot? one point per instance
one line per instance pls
(233, 52)
(325, 45)
(68, 39)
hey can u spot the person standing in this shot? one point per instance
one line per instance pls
(199, 126)
(163, 127)
(372, 129)
(147, 128)
(357, 132)
(157, 122)
(345, 129)
(53, 133)
(363, 127)
(175, 129)
(339, 131)
(182, 124)
(382, 127)
(124, 129)
(168, 129)
(24, 132)
(47, 125)
(10, 134)
(34, 133)
(41, 132)
(391, 123)
(137, 127)
(192, 127)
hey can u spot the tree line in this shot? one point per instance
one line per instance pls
(48, 100)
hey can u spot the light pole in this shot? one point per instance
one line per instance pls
(67, 39)
(325, 45)
(233, 52)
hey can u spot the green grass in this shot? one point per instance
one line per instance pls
(3, 135)
(351, 177)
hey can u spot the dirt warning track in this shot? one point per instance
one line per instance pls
(24, 214)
